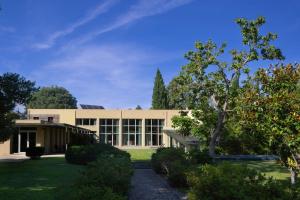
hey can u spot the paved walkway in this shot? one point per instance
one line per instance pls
(20, 157)
(147, 185)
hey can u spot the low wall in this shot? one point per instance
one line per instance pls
(5, 148)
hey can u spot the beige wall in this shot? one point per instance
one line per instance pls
(5, 148)
(69, 116)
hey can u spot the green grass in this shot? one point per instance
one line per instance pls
(270, 168)
(48, 178)
(141, 154)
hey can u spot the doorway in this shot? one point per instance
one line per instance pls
(27, 139)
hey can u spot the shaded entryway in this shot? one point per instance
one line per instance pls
(147, 185)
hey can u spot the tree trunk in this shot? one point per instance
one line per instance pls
(216, 133)
(293, 176)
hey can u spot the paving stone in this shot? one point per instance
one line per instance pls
(147, 185)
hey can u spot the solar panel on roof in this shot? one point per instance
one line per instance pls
(85, 106)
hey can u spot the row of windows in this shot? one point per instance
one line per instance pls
(131, 131)
(86, 121)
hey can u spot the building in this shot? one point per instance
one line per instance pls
(53, 128)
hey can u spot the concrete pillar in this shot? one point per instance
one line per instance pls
(19, 141)
(143, 132)
(120, 131)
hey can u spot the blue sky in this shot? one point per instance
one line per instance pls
(106, 52)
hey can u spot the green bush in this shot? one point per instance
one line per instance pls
(171, 162)
(196, 156)
(108, 171)
(88, 153)
(226, 181)
(35, 152)
(95, 193)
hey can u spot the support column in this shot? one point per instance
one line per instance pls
(120, 131)
(143, 132)
(19, 141)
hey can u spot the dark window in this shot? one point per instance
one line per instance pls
(36, 118)
(50, 119)
(86, 121)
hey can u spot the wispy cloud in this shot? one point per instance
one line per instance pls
(112, 75)
(100, 9)
(144, 8)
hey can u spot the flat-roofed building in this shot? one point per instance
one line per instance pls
(120, 128)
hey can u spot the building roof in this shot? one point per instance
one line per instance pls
(42, 123)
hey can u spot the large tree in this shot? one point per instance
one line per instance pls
(159, 96)
(53, 97)
(14, 90)
(214, 82)
(270, 106)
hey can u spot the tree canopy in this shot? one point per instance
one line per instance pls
(159, 96)
(53, 97)
(214, 83)
(14, 90)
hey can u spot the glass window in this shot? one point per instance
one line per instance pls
(153, 129)
(78, 121)
(148, 139)
(86, 121)
(92, 122)
(102, 121)
(109, 122)
(131, 128)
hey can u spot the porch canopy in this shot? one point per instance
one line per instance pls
(55, 137)
(178, 140)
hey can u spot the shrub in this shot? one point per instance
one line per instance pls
(88, 153)
(196, 156)
(35, 152)
(226, 181)
(95, 193)
(173, 163)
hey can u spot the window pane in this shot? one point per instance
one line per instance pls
(160, 140)
(109, 129)
(116, 129)
(154, 122)
(138, 129)
(102, 129)
(102, 121)
(109, 139)
(132, 122)
(86, 122)
(78, 121)
(161, 122)
(125, 129)
(154, 139)
(138, 140)
(131, 129)
(109, 121)
(116, 122)
(125, 121)
(92, 121)
(148, 129)
(116, 139)
(148, 140)
(148, 122)
(139, 122)
(125, 140)
(131, 139)
(154, 129)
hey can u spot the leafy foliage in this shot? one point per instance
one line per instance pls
(214, 84)
(271, 106)
(226, 181)
(53, 97)
(159, 96)
(14, 89)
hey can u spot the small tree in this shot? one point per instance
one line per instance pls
(271, 106)
(159, 96)
(214, 82)
(52, 97)
(138, 107)
(14, 89)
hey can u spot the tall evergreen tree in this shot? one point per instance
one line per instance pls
(159, 96)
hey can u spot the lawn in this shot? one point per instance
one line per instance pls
(141, 154)
(48, 178)
(270, 168)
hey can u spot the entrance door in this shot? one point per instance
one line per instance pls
(28, 139)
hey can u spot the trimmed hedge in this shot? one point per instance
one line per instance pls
(82, 155)
(35, 152)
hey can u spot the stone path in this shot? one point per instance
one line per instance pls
(147, 185)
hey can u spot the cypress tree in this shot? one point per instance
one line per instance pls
(159, 96)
